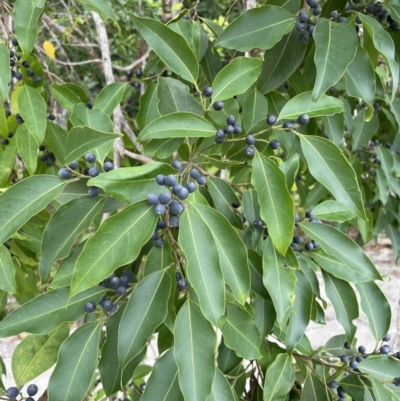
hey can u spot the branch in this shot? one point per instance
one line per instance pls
(136, 156)
(134, 64)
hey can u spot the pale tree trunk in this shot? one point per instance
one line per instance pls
(249, 4)
(167, 10)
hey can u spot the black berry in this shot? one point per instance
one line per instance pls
(108, 166)
(271, 119)
(160, 210)
(64, 173)
(207, 91)
(218, 106)
(250, 140)
(90, 158)
(90, 307)
(250, 150)
(303, 119)
(182, 284)
(274, 144)
(153, 199)
(201, 180)
(231, 120)
(93, 172)
(93, 192)
(12, 392)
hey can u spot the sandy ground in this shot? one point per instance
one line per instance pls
(382, 256)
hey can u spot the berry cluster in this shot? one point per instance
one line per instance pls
(230, 128)
(13, 392)
(46, 156)
(119, 284)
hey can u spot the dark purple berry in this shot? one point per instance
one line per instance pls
(207, 91)
(159, 242)
(195, 173)
(93, 172)
(160, 210)
(274, 144)
(32, 389)
(162, 225)
(107, 305)
(174, 221)
(93, 192)
(115, 282)
(347, 345)
(90, 307)
(250, 150)
(304, 119)
(272, 120)
(175, 207)
(384, 350)
(12, 392)
(165, 198)
(176, 164)
(182, 284)
(218, 106)
(309, 246)
(386, 338)
(333, 384)
(297, 239)
(90, 158)
(258, 224)
(108, 166)
(353, 364)
(153, 199)
(229, 129)
(201, 180)
(64, 173)
(237, 129)
(231, 120)
(250, 139)
(170, 180)
(344, 358)
(361, 349)
(121, 290)
(160, 179)
(191, 187)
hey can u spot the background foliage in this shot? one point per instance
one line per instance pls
(191, 178)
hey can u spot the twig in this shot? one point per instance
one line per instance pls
(136, 156)
(73, 63)
(134, 64)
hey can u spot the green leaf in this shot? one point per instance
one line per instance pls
(221, 389)
(158, 259)
(344, 301)
(7, 158)
(171, 47)
(314, 389)
(277, 209)
(303, 104)
(177, 125)
(203, 265)
(110, 97)
(335, 49)
(393, 233)
(7, 271)
(363, 130)
(334, 128)
(236, 78)
(24, 200)
(46, 312)
(301, 312)
(27, 148)
(194, 352)
(360, 76)
(256, 271)
(227, 358)
(280, 280)
(117, 242)
(174, 96)
(381, 392)
(339, 245)
(251, 210)
(33, 110)
(281, 61)
(163, 382)
(279, 378)
(260, 27)
(290, 167)
(254, 109)
(332, 211)
(103, 7)
(375, 305)
(383, 43)
(146, 310)
(264, 314)
(148, 110)
(92, 118)
(381, 367)
(210, 63)
(232, 251)
(5, 72)
(26, 17)
(386, 158)
(37, 353)
(133, 184)
(328, 166)
(81, 140)
(76, 364)
(241, 332)
(68, 95)
(223, 196)
(55, 140)
(110, 369)
(62, 229)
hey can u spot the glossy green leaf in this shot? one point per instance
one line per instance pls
(381, 392)
(68, 95)
(280, 280)
(334, 128)
(314, 389)
(232, 251)
(203, 265)
(117, 242)
(158, 259)
(290, 167)
(47, 311)
(301, 312)
(377, 308)
(235, 78)
(26, 18)
(227, 358)
(328, 166)
(264, 315)
(55, 140)
(99, 6)
(7, 158)
(24, 200)
(339, 245)
(393, 233)
(335, 49)
(37, 353)
(256, 271)
(33, 110)
(110, 369)
(5, 72)
(363, 130)
(75, 146)
(281, 61)
(279, 378)
(241, 332)
(174, 96)
(146, 310)
(360, 76)
(303, 104)
(386, 158)
(76, 364)
(171, 47)
(251, 210)
(195, 345)
(63, 227)
(383, 43)
(380, 367)
(221, 389)
(7, 271)
(344, 301)
(260, 27)
(223, 196)
(177, 125)
(275, 201)
(210, 63)
(254, 108)
(163, 382)
(148, 110)
(27, 148)
(83, 116)
(332, 211)
(109, 97)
